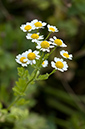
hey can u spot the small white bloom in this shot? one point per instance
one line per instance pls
(34, 36)
(27, 27)
(59, 64)
(57, 42)
(38, 24)
(52, 28)
(32, 56)
(66, 55)
(45, 63)
(44, 46)
(22, 59)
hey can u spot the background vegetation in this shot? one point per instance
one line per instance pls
(59, 102)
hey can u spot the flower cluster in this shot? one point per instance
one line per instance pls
(43, 46)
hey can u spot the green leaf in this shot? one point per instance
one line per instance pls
(32, 83)
(22, 102)
(22, 82)
(3, 111)
(17, 92)
(20, 85)
(23, 73)
(0, 106)
(43, 77)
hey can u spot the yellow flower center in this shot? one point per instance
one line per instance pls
(38, 24)
(34, 36)
(45, 44)
(22, 59)
(66, 55)
(52, 29)
(28, 27)
(59, 64)
(58, 42)
(31, 56)
(43, 63)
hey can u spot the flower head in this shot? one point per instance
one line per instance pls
(59, 64)
(52, 28)
(22, 59)
(38, 24)
(44, 46)
(34, 36)
(32, 56)
(27, 27)
(66, 55)
(57, 42)
(45, 63)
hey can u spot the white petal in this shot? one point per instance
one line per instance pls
(38, 47)
(34, 62)
(55, 59)
(54, 37)
(51, 39)
(53, 64)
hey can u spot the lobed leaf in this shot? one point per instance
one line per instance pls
(43, 77)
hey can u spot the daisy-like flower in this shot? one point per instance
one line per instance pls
(57, 42)
(45, 63)
(27, 27)
(38, 24)
(32, 56)
(22, 59)
(66, 55)
(59, 64)
(44, 46)
(34, 36)
(52, 28)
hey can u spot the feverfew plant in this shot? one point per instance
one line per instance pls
(38, 58)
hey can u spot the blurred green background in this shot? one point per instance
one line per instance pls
(59, 102)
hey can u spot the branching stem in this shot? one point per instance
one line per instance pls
(18, 97)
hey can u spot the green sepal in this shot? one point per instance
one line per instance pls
(43, 77)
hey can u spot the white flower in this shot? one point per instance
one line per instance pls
(38, 24)
(59, 64)
(66, 55)
(27, 27)
(45, 63)
(32, 56)
(22, 59)
(34, 36)
(44, 46)
(52, 28)
(57, 42)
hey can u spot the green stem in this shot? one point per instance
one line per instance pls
(30, 81)
(37, 30)
(52, 50)
(50, 53)
(18, 97)
(52, 72)
(48, 35)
